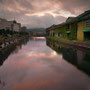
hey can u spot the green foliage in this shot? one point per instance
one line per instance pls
(6, 32)
(63, 30)
(24, 33)
(73, 31)
(2, 31)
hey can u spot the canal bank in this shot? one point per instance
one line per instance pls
(6, 51)
(8, 41)
(80, 44)
(10, 47)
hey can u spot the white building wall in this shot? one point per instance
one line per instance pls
(16, 27)
(11, 25)
(4, 24)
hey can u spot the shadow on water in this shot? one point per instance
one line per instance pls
(13, 48)
(76, 56)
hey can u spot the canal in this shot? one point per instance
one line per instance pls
(39, 65)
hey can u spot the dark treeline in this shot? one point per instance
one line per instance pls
(9, 32)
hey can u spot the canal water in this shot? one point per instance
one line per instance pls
(40, 65)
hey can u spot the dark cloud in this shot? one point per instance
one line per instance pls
(75, 5)
(41, 13)
(44, 21)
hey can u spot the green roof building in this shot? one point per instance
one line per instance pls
(75, 28)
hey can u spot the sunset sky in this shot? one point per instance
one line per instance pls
(41, 13)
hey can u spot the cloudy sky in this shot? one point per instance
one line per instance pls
(41, 13)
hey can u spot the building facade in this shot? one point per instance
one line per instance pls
(9, 25)
(83, 32)
(4, 24)
(16, 26)
(75, 28)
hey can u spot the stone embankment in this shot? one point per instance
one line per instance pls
(75, 44)
(8, 42)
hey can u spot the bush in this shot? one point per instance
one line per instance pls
(24, 33)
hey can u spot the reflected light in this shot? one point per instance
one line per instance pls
(35, 14)
(35, 38)
(51, 55)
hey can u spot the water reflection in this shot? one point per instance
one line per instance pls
(76, 56)
(13, 48)
(37, 67)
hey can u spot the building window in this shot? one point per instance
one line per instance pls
(68, 33)
(68, 26)
(59, 34)
(53, 34)
(86, 35)
(88, 23)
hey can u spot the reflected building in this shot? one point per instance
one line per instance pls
(76, 56)
(80, 56)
